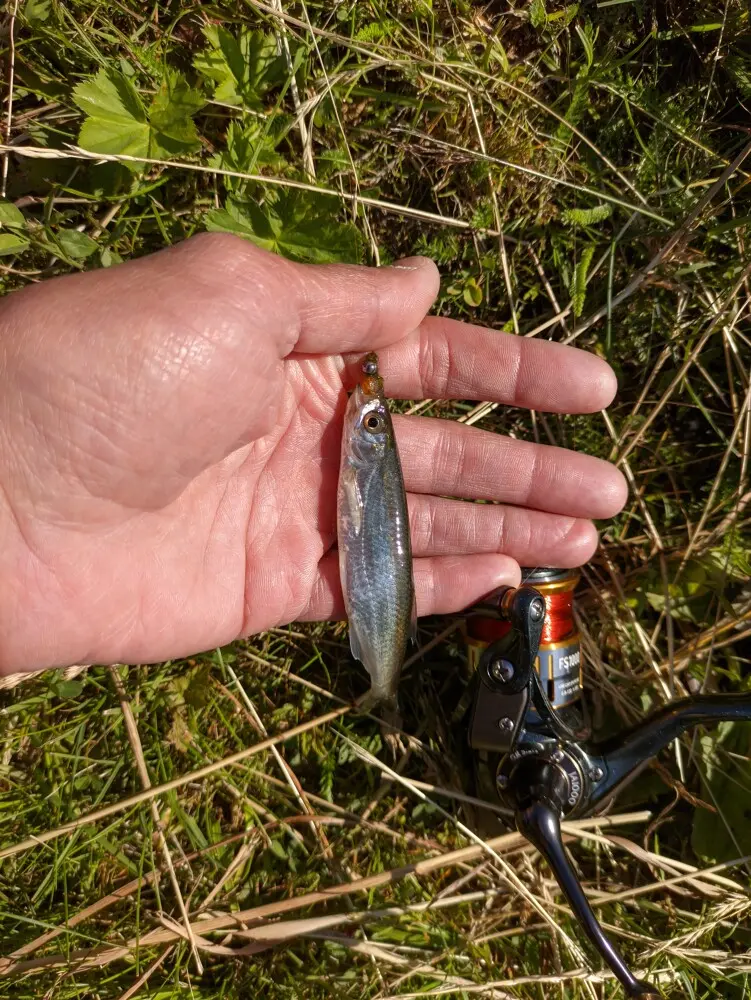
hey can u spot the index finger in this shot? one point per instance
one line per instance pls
(447, 359)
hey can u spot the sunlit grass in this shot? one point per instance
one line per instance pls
(577, 175)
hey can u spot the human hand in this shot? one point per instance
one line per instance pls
(169, 450)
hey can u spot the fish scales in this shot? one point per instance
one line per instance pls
(375, 556)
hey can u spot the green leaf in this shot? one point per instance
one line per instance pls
(37, 11)
(171, 113)
(250, 148)
(11, 243)
(538, 15)
(726, 784)
(425, 810)
(569, 13)
(11, 216)
(68, 689)
(118, 123)
(296, 224)
(700, 582)
(588, 36)
(241, 69)
(115, 117)
(472, 292)
(179, 733)
(374, 31)
(578, 287)
(738, 67)
(76, 245)
(110, 97)
(198, 691)
(575, 111)
(109, 257)
(277, 848)
(586, 216)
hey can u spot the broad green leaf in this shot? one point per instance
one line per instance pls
(700, 582)
(578, 287)
(171, 112)
(12, 243)
(246, 219)
(68, 689)
(110, 97)
(100, 136)
(76, 245)
(331, 161)
(242, 69)
(296, 224)
(222, 61)
(11, 216)
(116, 119)
(118, 123)
(726, 785)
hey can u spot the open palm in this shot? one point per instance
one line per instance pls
(169, 450)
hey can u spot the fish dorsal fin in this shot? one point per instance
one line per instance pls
(413, 620)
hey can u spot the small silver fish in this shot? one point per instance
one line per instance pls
(375, 555)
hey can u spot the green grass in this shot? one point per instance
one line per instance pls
(592, 138)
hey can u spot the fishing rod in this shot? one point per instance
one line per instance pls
(529, 728)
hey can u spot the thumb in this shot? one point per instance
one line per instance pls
(343, 308)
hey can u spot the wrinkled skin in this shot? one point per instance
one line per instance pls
(169, 450)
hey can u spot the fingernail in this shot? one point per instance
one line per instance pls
(410, 263)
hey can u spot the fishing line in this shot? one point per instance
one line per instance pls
(559, 615)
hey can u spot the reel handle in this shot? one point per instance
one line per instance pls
(540, 822)
(547, 770)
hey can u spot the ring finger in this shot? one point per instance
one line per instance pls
(441, 527)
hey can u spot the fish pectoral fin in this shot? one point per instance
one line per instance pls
(354, 643)
(349, 484)
(413, 620)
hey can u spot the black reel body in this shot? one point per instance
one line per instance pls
(545, 765)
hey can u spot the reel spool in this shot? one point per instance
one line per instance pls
(558, 662)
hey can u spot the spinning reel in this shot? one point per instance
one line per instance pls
(526, 726)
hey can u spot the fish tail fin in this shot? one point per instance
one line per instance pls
(384, 700)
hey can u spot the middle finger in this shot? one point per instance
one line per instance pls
(445, 458)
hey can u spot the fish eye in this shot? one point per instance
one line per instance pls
(374, 423)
